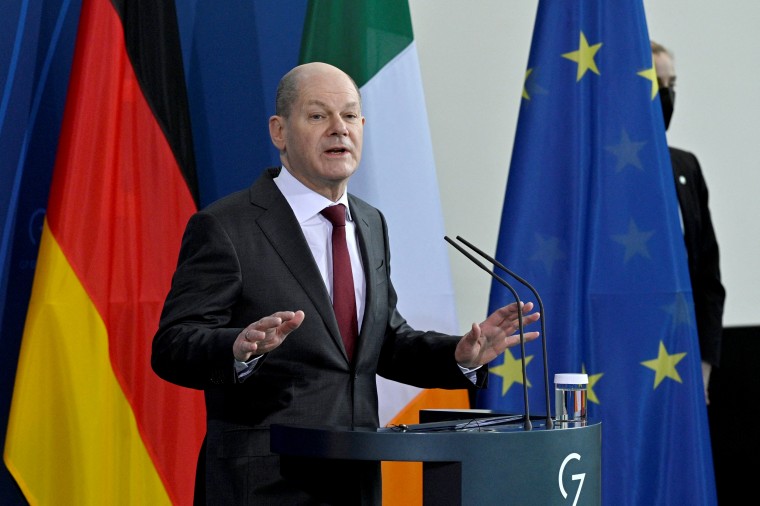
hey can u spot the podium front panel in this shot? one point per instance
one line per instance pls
(477, 466)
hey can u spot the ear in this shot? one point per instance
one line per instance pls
(277, 131)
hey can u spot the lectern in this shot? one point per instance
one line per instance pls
(470, 462)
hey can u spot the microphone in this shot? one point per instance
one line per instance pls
(549, 422)
(528, 425)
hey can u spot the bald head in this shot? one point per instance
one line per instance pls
(664, 65)
(319, 127)
(290, 84)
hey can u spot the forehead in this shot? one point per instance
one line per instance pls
(663, 64)
(329, 89)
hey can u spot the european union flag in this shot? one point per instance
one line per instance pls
(591, 218)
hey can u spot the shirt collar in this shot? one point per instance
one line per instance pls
(305, 202)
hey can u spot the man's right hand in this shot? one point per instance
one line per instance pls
(266, 334)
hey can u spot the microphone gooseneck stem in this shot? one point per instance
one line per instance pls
(527, 425)
(549, 421)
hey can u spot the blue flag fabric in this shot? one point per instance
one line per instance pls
(591, 218)
(36, 49)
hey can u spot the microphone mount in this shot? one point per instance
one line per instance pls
(549, 421)
(528, 424)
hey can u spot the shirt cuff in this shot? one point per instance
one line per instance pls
(244, 369)
(471, 374)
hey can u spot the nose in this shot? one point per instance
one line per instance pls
(338, 126)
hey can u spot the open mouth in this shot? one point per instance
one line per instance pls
(337, 151)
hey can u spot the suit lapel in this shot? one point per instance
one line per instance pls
(372, 259)
(281, 228)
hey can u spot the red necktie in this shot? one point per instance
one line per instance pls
(344, 302)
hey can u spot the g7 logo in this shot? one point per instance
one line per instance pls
(575, 477)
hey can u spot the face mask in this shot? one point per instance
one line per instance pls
(667, 98)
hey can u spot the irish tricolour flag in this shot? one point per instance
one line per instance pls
(372, 40)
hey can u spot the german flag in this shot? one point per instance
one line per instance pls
(90, 422)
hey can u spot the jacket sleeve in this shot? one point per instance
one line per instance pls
(709, 293)
(192, 347)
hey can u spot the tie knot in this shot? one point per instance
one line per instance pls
(335, 214)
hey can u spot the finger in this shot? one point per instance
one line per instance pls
(514, 340)
(251, 335)
(292, 323)
(525, 307)
(268, 322)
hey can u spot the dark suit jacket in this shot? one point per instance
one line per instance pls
(245, 257)
(702, 249)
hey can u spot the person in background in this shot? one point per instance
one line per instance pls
(252, 315)
(699, 235)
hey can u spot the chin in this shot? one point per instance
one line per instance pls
(343, 171)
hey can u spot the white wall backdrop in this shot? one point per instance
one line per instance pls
(473, 56)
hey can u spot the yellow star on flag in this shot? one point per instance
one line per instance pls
(651, 74)
(592, 379)
(525, 81)
(510, 371)
(664, 365)
(584, 57)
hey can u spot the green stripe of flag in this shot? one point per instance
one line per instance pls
(357, 36)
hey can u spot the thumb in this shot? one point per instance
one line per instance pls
(474, 333)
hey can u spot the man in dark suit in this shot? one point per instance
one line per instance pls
(699, 235)
(249, 317)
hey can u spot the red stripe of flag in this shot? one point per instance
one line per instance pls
(120, 199)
